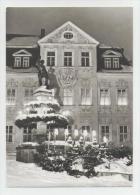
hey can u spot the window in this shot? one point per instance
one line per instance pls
(107, 63)
(85, 96)
(85, 59)
(11, 96)
(68, 97)
(50, 58)
(67, 58)
(104, 97)
(116, 63)
(9, 133)
(122, 97)
(68, 35)
(25, 61)
(28, 93)
(123, 133)
(27, 135)
(105, 132)
(17, 62)
(87, 129)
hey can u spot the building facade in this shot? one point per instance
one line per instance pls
(95, 83)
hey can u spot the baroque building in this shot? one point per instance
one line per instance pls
(95, 83)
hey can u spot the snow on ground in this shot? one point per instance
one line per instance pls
(29, 175)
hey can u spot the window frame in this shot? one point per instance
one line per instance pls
(68, 59)
(105, 96)
(116, 65)
(9, 135)
(84, 59)
(17, 59)
(107, 63)
(51, 58)
(67, 96)
(85, 97)
(27, 62)
(27, 134)
(11, 100)
(123, 134)
(126, 91)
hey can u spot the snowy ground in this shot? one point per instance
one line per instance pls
(29, 175)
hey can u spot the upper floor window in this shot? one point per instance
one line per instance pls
(67, 58)
(123, 133)
(51, 58)
(122, 97)
(17, 62)
(68, 97)
(9, 133)
(84, 58)
(107, 63)
(27, 135)
(11, 96)
(105, 132)
(86, 96)
(116, 63)
(105, 97)
(25, 61)
(68, 35)
(28, 93)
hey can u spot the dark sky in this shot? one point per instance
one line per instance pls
(112, 26)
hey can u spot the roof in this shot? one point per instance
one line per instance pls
(24, 41)
(21, 70)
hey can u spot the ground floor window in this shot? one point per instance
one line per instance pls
(105, 132)
(9, 133)
(27, 135)
(86, 132)
(123, 133)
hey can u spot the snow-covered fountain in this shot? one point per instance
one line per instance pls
(43, 113)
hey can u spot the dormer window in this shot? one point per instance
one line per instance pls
(68, 35)
(111, 59)
(22, 59)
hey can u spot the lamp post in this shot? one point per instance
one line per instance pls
(76, 133)
(55, 134)
(66, 134)
(85, 133)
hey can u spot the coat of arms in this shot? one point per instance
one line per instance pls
(67, 77)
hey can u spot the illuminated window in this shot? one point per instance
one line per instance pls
(68, 97)
(86, 96)
(122, 97)
(105, 132)
(105, 97)
(85, 59)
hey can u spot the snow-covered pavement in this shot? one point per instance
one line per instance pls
(29, 175)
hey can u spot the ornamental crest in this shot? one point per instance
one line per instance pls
(67, 77)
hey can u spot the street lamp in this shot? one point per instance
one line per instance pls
(66, 134)
(85, 133)
(55, 134)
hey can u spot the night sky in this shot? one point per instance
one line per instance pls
(111, 26)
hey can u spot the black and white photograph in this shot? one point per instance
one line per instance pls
(69, 96)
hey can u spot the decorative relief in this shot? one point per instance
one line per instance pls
(67, 77)
(86, 109)
(12, 83)
(30, 83)
(121, 83)
(104, 83)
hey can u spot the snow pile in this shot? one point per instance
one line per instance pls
(29, 144)
(29, 175)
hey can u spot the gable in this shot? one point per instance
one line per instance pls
(58, 35)
(111, 53)
(22, 52)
